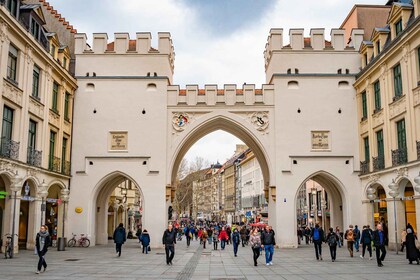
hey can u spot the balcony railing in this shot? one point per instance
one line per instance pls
(9, 148)
(65, 168)
(34, 157)
(399, 156)
(418, 149)
(364, 167)
(378, 163)
(54, 164)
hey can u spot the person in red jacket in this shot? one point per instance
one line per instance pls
(223, 237)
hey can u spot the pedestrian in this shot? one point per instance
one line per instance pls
(223, 237)
(268, 240)
(340, 235)
(119, 238)
(332, 240)
(215, 239)
(229, 235)
(307, 233)
(204, 236)
(200, 232)
(380, 239)
(317, 235)
(145, 241)
(42, 242)
(236, 239)
(350, 236)
(210, 235)
(169, 240)
(138, 233)
(356, 232)
(255, 243)
(403, 239)
(412, 253)
(366, 240)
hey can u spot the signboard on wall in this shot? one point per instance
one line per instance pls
(118, 141)
(320, 140)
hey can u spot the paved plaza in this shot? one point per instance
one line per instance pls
(101, 262)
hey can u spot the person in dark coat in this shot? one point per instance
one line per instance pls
(119, 238)
(332, 240)
(42, 242)
(169, 240)
(380, 239)
(366, 240)
(243, 235)
(412, 252)
(236, 240)
(145, 241)
(317, 235)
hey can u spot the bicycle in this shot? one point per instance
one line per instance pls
(83, 241)
(8, 246)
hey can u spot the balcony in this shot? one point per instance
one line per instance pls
(54, 164)
(364, 167)
(65, 168)
(34, 157)
(418, 149)
(399, 156)
(378, 163)
(9, 148)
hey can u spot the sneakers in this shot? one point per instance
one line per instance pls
(320, 257)
(37, 272)
(267, 264)
(361, 257)
(370, 258)
(271, 263)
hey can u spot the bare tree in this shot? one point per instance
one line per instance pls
(199, 163)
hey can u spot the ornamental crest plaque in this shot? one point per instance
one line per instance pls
(260, 120)
(180, 121)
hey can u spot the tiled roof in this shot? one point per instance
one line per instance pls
(57, 15)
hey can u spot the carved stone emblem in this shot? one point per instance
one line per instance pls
(260, 120)
(180, 121)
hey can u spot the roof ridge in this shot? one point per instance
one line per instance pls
(56, 14)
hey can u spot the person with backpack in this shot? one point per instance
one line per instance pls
(236, 240)
(356, 232)
(145, 241)
(350, 236)
(317, 235)
(366, 240)
(332, 240)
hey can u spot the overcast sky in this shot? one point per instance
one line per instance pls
(216, 41)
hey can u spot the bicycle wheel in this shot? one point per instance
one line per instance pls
(86, 243)
(71, 243)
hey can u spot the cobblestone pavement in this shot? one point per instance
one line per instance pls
(100, 262)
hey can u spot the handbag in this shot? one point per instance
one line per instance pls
(417, 244)
(148, 248)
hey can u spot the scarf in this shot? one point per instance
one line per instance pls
(42, 236)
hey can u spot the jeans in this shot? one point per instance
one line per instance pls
(145, 249)
(318, 248)
(333, 252)
(235, 248)
(356, 245)
(210, 238)
(243, 242)
(380, 257)
(41, 262)
(269, 251)
(215, 245)
(169, 249)
(369, 247)
(256, 252)
(118, 247)
(223, 244)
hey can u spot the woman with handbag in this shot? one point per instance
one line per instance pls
(255, 242)
(412, 253)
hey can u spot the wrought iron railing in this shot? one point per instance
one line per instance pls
(378, 163)
(65, 168)
(418, 149)
(399, 156)
(54, 163)
(9, 148)
(364, 167)
(34, 157)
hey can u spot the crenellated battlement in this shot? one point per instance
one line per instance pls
(316, 41)
(211, 95)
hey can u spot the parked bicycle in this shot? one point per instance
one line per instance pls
(8, 246)
(83, 241)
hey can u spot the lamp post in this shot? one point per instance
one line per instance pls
(14, 187)
(371, 196)
(43, 193)
(314, 206)
(124, 194)
(394, 193)
(323, 207)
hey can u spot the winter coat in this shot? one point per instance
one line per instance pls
(330, 236)
(169, 237)
(223, 235)
(366, 237)
(204, 235)
(376, 238)
(267, 238)
(38, 244)
(236, 238)
(119, 235)
(320, 232)
(243, 233)
(145, 239)
(255, 240)
(412, 252)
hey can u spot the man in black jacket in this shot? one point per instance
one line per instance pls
(169, 240)
(268, 240)
(317, 235)
(380, 239)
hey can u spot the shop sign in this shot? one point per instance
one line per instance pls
(27, 198)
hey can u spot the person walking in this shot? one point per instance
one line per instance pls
(223, 237)
(403, 239)
(332, 240)
(243, 235)
(188, 235)
(43, 240)
(210, 235)
(412, 253)
(119, 238)
(255, 243)
(317, 235)
(268, 240)
(169, 240)
(145, 241)
(215, 239)
(204, 236)
(350, 236)
(340, 236)
(366, 240)
(307, 233)
(356, 232)
(380, 239)
(236, 239)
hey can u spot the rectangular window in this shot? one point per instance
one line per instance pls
(12, 6)
(52, 50)
(397, 81)
(378, 47)
(64, 152)
(12, 63)
(32, 135)
(65, 63)
(366, 145)
(380, 143)
(35, 82)
(35, 29)
(364, 106)
(52, 150)
(401, 137)
(6, 131)
(54, 104)
(377, 89)
(398, 27)
(66, 106)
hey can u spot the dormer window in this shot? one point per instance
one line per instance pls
(398, 27)
(378, 47)
(12, 6)
(64, 63)
(35, 29)
(53, 50)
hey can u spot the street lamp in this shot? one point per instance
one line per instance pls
(314, 206)
(14, 187)
(324, 207)
(417, 181)
(43, 193)
(394, 193)
(371, 196)
(124, 194)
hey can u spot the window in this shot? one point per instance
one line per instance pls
(364, 106)
(65, 63)
(418, 58)
(398, 27)
(32, 135)
(35, 29)
(366, 145)
(401, 137)
(366, 59)
(377, 90)
(52, 50)
(35, 82)
(12, 63)
(12, 6)
(52, 150)
(66, 106)
(55, 97)
(380, 143)
(378, 47)
(63, 156)
(397, 81)
(6, 131)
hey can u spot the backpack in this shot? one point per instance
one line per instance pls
(316, 234)
(332, 239)
(350, 235)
